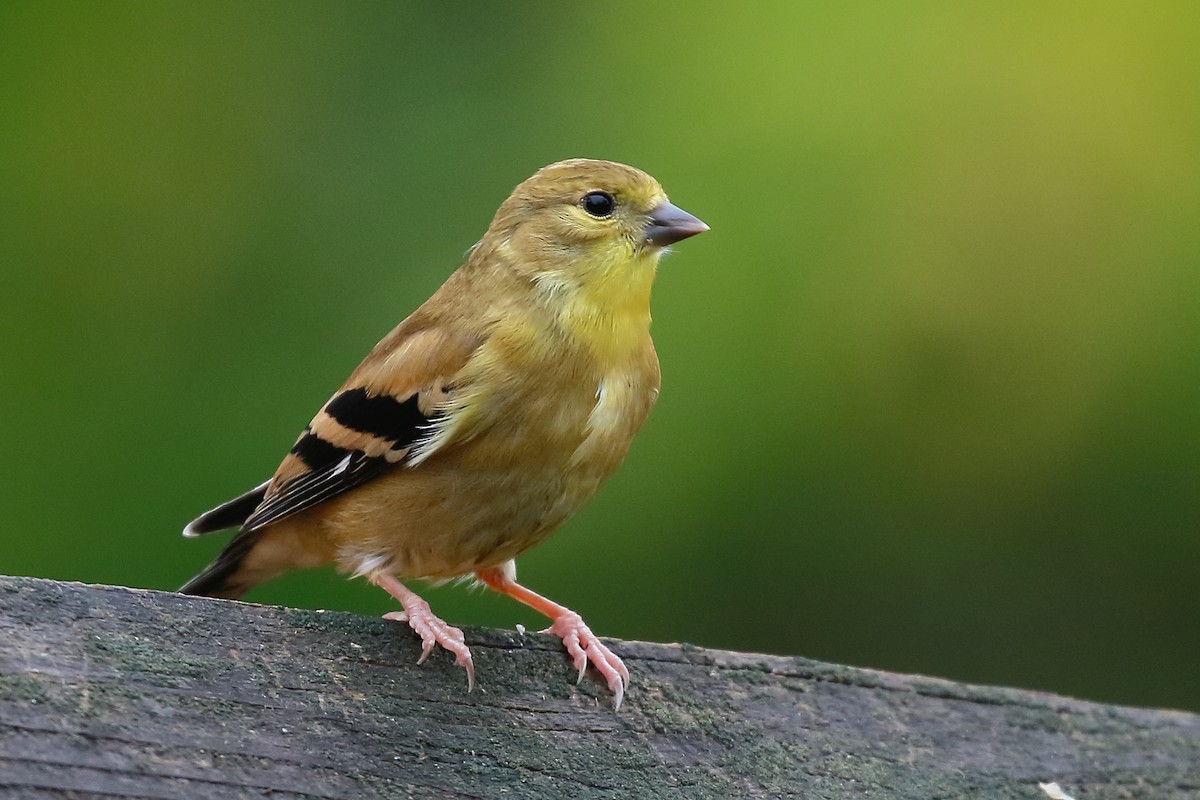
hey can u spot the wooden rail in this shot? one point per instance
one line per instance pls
(122, 693)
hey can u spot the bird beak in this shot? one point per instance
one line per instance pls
(670, 224)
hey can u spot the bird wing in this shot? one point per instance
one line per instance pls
(387, 412)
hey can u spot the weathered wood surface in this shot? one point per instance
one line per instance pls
(111, 692)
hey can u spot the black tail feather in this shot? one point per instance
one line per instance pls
(219, 579)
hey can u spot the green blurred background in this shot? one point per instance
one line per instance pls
(931, 385)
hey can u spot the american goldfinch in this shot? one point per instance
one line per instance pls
(482, 421)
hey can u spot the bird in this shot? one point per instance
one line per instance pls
(484, 420)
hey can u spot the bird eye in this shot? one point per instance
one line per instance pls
(598, 204)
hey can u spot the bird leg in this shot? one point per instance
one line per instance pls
(582, 645)
(426, 624)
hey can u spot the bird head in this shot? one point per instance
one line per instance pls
(583, 223)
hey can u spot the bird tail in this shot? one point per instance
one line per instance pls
(221, 578)
(225, 576)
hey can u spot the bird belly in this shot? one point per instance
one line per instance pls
(494, 496)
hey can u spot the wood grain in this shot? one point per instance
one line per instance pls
(123, 693)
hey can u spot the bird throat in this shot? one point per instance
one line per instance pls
(610, 311)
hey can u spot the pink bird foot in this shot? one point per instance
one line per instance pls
(582, 645)
(585, 647)
(430, 627)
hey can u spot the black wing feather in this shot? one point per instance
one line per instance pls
(231, 514)
(354, 469)
(334, 470)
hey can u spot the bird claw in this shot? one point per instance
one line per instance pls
(584, 647)
(434, 631)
